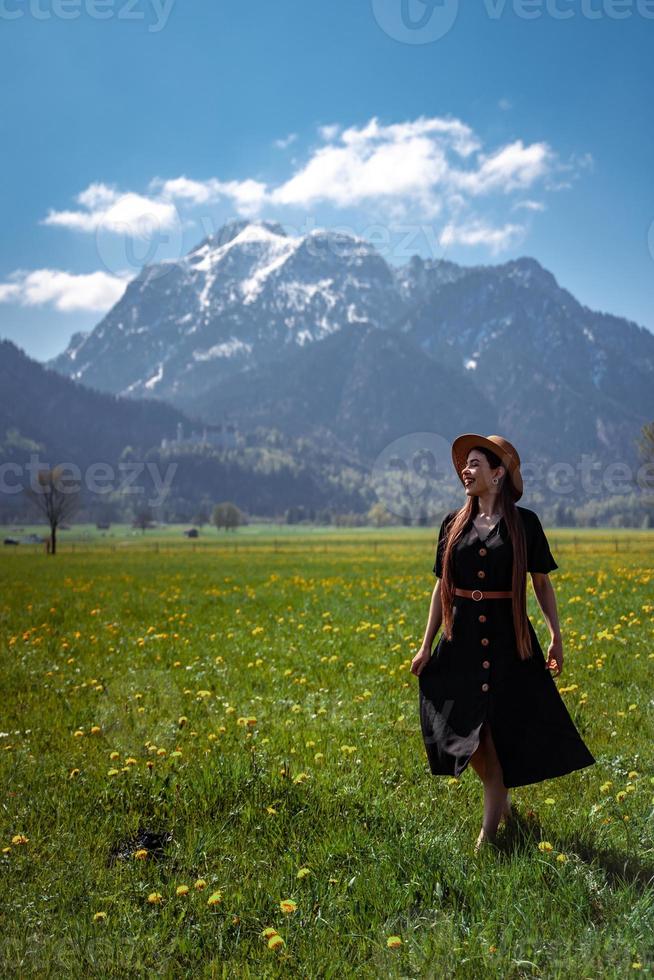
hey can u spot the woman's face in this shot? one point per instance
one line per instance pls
(478, 471)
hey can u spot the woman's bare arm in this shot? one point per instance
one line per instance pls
(547, 602)
(435, 617)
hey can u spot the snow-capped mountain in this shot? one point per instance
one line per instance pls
(244, 318)
(241, 297)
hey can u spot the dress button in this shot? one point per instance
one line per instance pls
(484, 687)
(482, 618)
(486, 664)
(481, 574)
(482, 551)
(485, 641)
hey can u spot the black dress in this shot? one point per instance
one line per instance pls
(467, 682)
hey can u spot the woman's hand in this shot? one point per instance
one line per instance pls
(555, 656)
(421, 659)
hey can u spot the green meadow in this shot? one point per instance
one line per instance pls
(212, 766)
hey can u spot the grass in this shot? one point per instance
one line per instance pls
(280, 674)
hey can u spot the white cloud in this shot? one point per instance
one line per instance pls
(110, 210)
(514, 167)
(419, 169)
(65, 291)
(528, 206)
(247, 195)
(477, 232)
(282, 144)
(401, 163)
(330, 132)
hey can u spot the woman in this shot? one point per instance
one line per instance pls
(486, 693)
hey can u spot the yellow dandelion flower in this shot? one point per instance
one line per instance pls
(199, 884)
(79, 733)
(176, 754)
(113, 772)
(632, 775)
(72, 773)
(114, 755)
(301, 777)
(99, 916)
(636, 965)
(303, 872)
(215, 899)
(95, 729)
(545, 845)
(620, 796)
(141, 854)
(275, 942)
(6, 850)
(182, 890)
(561, 858)
(19, 839)
(268, 932)
(393, 942)
(182, 721)
(288, 905)
(550, 800)
(131, 761)
(154, 898)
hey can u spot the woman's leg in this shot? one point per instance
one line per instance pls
(486, 764)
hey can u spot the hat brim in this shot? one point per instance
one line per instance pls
(464, 443)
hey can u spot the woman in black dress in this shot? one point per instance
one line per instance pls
(486, 694)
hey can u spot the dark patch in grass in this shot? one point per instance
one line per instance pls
(154, 841)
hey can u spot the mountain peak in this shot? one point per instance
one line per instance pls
(232, 229)
(529, 271)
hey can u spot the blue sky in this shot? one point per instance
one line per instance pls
(475, 134)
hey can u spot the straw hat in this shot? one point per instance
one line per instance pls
(497, 444)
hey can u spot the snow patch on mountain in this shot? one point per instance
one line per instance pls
(156, 377)
(226, 349)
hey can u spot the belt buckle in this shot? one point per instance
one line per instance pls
(480, 594)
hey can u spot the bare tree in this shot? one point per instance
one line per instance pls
(56, 501)
(143, 519)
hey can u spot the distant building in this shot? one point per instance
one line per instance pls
(223, 435)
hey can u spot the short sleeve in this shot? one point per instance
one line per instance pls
(440, 548)
(539, 556)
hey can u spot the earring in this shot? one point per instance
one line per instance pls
(495, 480)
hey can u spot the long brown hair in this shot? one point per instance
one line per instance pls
(516, 533)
